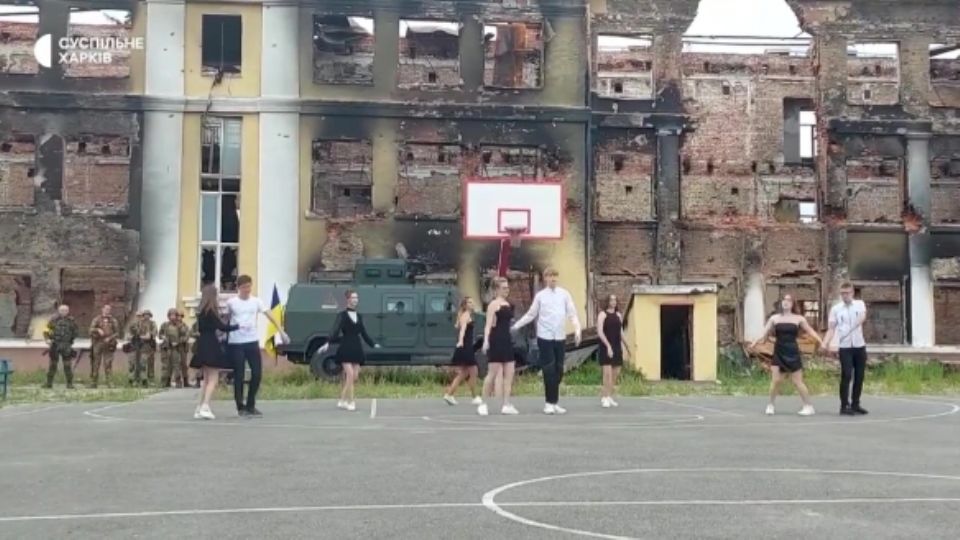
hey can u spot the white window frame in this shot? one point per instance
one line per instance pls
(217, 244)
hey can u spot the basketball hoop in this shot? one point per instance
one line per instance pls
(515, 233)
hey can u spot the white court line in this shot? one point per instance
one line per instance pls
(373, 409)
(698, 407)
(488, 497)
(431, 506)
(31, 411)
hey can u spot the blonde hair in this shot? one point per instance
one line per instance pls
(461, 310)
(209, 300)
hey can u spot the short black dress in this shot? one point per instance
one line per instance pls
(464, 356)
(501, 344)
(786, 352)
(209, 350)
(612, 330)
(348, 334)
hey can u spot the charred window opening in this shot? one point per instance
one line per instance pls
(799, 131)
(624, 67)
(98, 24)
(513, 56)
(428, 183)
(512, 161)
(429, 54)
(222, 44)
(945, 63)
(342, 185)
(220, 177)
(787, 210)
(945, 168)
(343, 49)
(873, 73)
(18, 155)
(19, 29)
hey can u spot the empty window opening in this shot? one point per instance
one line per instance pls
(513, 55)
(945, 63)
(808, 211)
(513, 161)
(342, 184)
(799, 131)
(675, 342)
(873, 73)
(222, 43)
(19, 29)
(112, 63)
(624, 66)
(343, 49)
(710, 166)
(429, 54)
(628, 189)
(726, 89)
(618, 163)
(220, 202)
(734, 191)
(795, 211)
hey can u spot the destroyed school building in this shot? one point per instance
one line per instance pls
(286, 140)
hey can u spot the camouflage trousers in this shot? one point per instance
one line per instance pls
(174, 361)
(101, 353)
(143, 358)
(60, 353)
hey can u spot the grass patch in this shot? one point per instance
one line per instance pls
(736, 377)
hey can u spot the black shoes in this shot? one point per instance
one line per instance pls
(857, 409)
(254, 412)
(852, 411)
(846, 411)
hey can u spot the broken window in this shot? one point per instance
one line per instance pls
(343, 50)
(799, 131)
(428, 183)
(624, 67)
(19, 28)
(512, 161)
(222, 44)
(811, 311)
(342, 184)
(429, 54)
(945, 65)
(17, 169)
(513, 55)
(873, 73)
(99, 24)
(220, 202)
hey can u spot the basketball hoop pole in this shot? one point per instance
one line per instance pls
(506, 245)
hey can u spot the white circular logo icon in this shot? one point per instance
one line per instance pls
(42, 51)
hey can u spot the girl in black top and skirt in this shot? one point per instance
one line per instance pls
(350, 354)
(786, 325)
(464, 359)
(210, 357)
(498, 346)
(613, 341)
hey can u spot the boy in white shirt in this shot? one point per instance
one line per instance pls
(846, 321)
(243, 344)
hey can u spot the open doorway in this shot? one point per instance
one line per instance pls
(675, 332)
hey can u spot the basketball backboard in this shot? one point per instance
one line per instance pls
(494, 207)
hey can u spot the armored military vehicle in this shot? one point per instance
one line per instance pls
(412, 322)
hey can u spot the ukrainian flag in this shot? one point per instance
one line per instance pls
(273, 333)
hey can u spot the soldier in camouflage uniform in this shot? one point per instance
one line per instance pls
(143, 339)
(60, 333)
(104, 333)
(174, 337)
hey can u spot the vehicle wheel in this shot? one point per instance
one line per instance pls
(325, 367)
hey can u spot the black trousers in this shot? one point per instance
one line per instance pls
(853, 364)
(551, 363)
(246, 353)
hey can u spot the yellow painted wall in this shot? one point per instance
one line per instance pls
(188, 280)
(244, 84)
(644, 333)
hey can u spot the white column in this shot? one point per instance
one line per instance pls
(754, 309)
(279, 205)
(162, 145)
(922, 310)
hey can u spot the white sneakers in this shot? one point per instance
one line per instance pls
(482, 409)
(807, 410)
(607, 402)
(450, 399)
(203, 412)
(507, 409)
(347, 405)
(477, 401)
(550, 408)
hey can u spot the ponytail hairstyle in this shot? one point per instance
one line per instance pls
(460, 311)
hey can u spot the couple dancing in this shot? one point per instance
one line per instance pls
(846, 321)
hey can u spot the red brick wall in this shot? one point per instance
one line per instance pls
(97, 174)
(792, 252)
(17, 162)
(711, 254)
(947, 314)
(624, 181)
(107, 285)
(623, 249)
(16, 296)
(428, 182)
(119, 66)
(16, 48)
(945, 197)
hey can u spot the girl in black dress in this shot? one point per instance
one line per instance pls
(463, 357)
(350, 355)
(210, 357)
(498, 346)
(786, 325)
(613, 342)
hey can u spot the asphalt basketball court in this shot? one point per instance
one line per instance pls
(652, 468)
